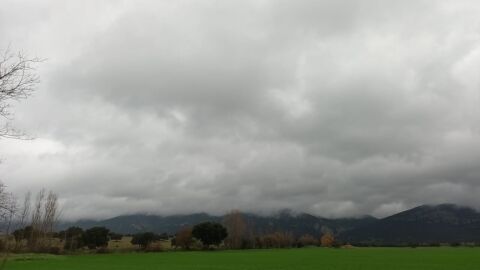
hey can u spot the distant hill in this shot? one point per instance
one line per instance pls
(131, 224)
(427, 224)
(297, 224)
(445, 223)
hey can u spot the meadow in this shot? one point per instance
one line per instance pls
(441, 258)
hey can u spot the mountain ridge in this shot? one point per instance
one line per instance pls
(427, 224)
(297, 223)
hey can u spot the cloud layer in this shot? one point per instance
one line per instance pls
(336, 108)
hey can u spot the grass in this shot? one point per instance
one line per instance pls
(307, 258)
(125, 245)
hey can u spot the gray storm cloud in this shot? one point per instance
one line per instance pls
(336, 108)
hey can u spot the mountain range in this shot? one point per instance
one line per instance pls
(445, 223)
(426, 224)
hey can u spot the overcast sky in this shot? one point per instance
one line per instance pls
(335, 108)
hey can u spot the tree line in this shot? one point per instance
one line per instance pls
(231, 233)
(234, 233)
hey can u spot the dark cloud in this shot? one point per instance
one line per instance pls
(337, 108)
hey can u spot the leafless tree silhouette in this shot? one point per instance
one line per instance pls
(18, 79)
(8, 209)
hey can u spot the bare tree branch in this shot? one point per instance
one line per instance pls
(18, 79)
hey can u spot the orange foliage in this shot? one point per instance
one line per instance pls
(327, 240)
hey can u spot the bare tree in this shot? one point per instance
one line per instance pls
(8, 208)
(17, 81)
(307, 240)
(25, 212)
(236, 227)
(276, 240)
(184, 238)
(36, 220)
(23, 216)
(49, 216)
(44, 217)
(7, 205)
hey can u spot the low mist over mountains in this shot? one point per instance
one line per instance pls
(427, 224)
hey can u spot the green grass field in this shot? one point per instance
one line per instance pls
(307, 258)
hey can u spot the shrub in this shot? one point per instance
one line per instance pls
(145, 239)
(307, 240)
(55, 250)
(327, 240)
(115, 236)
(102, 250)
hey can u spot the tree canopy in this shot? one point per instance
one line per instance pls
(210, 233)
(145, 239)
(96, 237)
